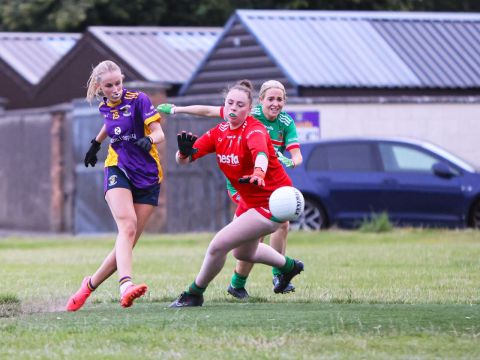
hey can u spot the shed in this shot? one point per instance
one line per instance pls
(25, 58)
(409, 74)
(330, 53)
(165, 56)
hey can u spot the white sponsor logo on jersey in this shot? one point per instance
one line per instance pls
(123, 138)
(228, 159)
(117, 130)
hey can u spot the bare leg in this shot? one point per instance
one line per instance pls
(244, 233)
(131, 220)
(278, 240)
(109, 265)
(243, 268)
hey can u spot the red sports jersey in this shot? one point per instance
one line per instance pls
(236, 151)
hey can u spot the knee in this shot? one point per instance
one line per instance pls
(128, 228)
(216, 249)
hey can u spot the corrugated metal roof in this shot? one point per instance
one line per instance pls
(32, 55)
(370, 49)
(161, 54)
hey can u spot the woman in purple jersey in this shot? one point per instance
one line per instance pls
(132, 175)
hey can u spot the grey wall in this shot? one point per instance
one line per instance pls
(33, 170)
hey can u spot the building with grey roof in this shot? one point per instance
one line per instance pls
(354, 73)
(318, 53)
(163, 57)
(25, 58)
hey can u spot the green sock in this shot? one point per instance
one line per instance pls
(194, 289)
(276, 271)
(289, 264)
(238, 281)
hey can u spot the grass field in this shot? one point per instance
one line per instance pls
(406, 294)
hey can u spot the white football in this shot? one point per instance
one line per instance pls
(286, 203)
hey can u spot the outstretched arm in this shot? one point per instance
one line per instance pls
(296, 156)
(200, 110)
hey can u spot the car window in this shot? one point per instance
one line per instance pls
(342, 157)
(450, 157)
(397, 157)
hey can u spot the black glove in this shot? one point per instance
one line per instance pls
(145, 143)
(91, 155)
(185, 144)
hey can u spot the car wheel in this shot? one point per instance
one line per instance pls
(313, 218)
(475, 215)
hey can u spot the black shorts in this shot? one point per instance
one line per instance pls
(116, 178)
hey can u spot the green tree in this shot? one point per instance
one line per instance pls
(70, 15)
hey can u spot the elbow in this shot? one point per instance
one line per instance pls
(161, 138)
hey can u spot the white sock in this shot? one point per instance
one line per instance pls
(124, 287)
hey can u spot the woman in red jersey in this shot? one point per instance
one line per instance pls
(242, 146)
(282, 131)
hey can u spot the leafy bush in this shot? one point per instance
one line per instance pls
(377, 223)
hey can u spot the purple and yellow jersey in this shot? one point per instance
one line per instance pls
(127, 121)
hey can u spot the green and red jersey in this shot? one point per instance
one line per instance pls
(282, 129)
